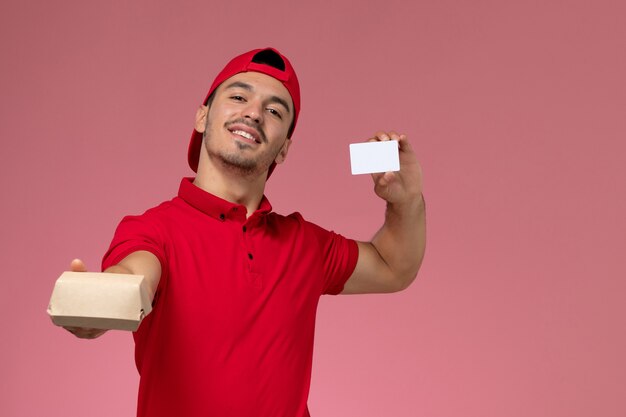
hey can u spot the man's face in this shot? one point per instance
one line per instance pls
(247, 123)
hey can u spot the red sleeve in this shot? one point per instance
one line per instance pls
(135, 233)
(339, 257)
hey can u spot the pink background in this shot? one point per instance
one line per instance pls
(516, 109)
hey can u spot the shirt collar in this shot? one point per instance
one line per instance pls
(215, 206)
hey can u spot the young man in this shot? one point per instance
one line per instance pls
(236, 285)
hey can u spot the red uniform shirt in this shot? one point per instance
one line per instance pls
(231, 330)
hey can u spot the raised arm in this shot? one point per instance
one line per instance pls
(137, 263)
(390, 261)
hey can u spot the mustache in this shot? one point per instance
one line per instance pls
(244, 121)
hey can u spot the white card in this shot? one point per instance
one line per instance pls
(371, 157)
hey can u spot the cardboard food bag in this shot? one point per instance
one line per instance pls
(100, 300)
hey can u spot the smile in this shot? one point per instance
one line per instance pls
(245, 135)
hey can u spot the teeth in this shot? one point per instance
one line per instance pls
(244, 134)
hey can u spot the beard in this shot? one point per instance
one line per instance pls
(234, 162)
(237, 162)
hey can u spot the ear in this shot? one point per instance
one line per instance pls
(282, 155)
(201, 116)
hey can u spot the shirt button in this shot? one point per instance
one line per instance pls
(222, 217)
(244, 229)
(250, 256)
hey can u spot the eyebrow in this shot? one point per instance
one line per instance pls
(248, 87)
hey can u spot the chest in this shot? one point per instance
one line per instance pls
(224, 274)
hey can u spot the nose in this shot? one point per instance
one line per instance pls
(253, 112)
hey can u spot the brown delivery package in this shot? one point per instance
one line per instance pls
(100, 300)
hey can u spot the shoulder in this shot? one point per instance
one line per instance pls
(293, 220)
(160, 212)
(291, 226)
(308, 229)
(151, 222)
(164, 208)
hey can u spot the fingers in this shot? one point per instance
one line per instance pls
(405, 147)
(403, 142)
(85, 333)
(400, 185)
(383, 179)
(78, 266)
(382, 136)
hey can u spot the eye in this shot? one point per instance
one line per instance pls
(275, 112)
(237, 98)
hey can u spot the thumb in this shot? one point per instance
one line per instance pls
(385, 179)
(78, 266)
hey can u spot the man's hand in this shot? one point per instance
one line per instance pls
(81, 332)
(405, 185)
(390, 261)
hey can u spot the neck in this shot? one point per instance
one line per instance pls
(231, 185)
